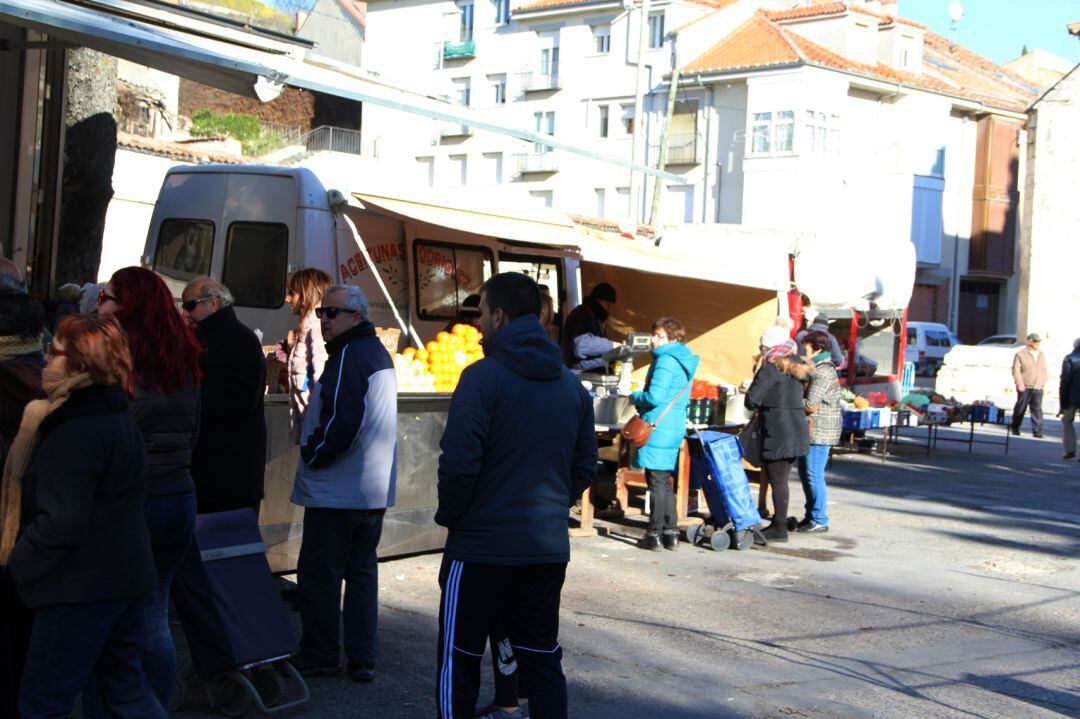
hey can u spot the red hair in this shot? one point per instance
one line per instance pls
(96, 345)
(163, 347)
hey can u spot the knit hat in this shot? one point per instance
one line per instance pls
(775, 336)
(603, 292)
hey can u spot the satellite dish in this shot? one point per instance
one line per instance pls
(956, 11)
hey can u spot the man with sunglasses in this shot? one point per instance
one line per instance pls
(345, 480)
(229, 460)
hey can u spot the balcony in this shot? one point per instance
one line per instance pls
(537, 163)
(459, 50)
(544, 79)
(453, 130)
(681, 150)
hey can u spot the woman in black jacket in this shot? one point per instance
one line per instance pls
(74, 479)
(166, 409)
(777, 395)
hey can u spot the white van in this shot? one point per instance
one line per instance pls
(927, 343)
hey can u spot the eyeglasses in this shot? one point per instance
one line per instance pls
(190, 305)
(331, 312)
(103, 297)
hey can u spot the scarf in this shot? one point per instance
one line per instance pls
(821, 357)
(12, 346)
(781, 350)
(58, 386)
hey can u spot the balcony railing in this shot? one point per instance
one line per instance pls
(535, 163)
(454, 129)
(681, 150)
(333, 139)
(542, 79)
(459, 50)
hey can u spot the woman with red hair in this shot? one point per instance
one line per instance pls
(165, 407)
(72, 531)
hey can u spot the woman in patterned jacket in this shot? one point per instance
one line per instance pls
(823, 406)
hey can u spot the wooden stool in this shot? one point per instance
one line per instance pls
(627, 477)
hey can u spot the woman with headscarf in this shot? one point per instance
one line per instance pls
(73, 531)
(776, 394)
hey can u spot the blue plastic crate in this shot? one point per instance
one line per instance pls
(855, 420)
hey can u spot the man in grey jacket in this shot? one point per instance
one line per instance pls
(345, 480)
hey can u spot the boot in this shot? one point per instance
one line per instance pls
(670, 540)
(650, 541)
(776, 532)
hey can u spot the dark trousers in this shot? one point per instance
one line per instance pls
(1029, 399)
(339, 546)
(504, 668)
(71, 645)
(15, 624)
(661, 501)
(777, 472)
(473, 597)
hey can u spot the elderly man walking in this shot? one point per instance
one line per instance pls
(229, 460)
(1070, 398)
(1030, 375)
(345, 480)
(519, 447)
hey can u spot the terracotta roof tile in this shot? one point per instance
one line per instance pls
(545, 4)
(836, 8)
(763, 42)
(178, 150)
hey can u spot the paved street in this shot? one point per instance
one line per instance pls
(948, 587)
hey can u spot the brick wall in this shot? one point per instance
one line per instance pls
(929, 303)
(294, 107)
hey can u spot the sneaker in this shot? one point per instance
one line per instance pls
(813, 528)
(670, 540)
(1068, 455)
(1038, 435)
(361, 672)
(650, 542)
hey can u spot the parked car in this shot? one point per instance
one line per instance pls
(927, 343)
(1001, 341)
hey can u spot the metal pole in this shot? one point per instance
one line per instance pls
(639, 102)
(658, 183)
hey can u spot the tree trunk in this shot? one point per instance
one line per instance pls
(89, 154)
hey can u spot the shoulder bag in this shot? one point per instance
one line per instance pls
(638, 430)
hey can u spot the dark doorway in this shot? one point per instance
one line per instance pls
(978, 310)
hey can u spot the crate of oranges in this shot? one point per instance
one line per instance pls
(437, 366)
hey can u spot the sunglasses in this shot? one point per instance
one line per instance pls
(190, 305)
(331, 312)
(103, 297)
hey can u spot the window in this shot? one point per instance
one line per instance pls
(623, 205)
(459, 170)
(656, 30)
(425, 171)
(544, 198)
(544, 124)
(493, 168)
(602, 39)
(628, 119)
(927, 223)
(498, 89)
(937, 338)
(502, 12)
(256, 263)
(600, 196)
(446, 275)
(784, 133)
(605, 119)
(184, 249)
(466, 30)
(549, 53)
(761, 133)
(463, 90)
(822, 133)
(543, 270)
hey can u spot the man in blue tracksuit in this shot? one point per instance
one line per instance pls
(519, 448)
(345, 480)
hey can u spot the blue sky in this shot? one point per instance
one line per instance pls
(999, 29)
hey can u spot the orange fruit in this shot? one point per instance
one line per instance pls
(408, 352)
(423, 355)
(460, 330)
(432, 346)
(442, 337)
(473, 334)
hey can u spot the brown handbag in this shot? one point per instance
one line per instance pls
(638, 431)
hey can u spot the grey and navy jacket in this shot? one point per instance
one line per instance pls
(348, 445)
(518, 450)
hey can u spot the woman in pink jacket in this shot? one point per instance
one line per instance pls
(305, 350)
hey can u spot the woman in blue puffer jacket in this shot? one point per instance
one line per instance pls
(663, 404)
